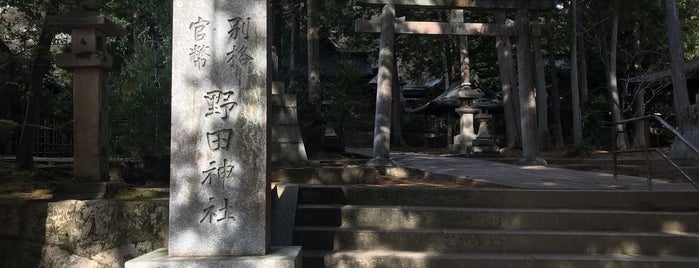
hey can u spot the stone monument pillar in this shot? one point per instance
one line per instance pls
(219, 190)
(90, 64)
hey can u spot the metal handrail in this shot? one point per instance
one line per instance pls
(665, 125)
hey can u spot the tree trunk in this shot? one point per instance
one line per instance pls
(679, 80)
(294, 43)
(449, 76)
(504, 50)
(555, 90)
(574, 84)
(690, 121)
(640, 128)
(313, 39)
(396, 109)
(686, 115)
(582, 57)
(612, 83)
(41, 66)
(526, 92)
(449, 52)
(541, 98)
(277, 25)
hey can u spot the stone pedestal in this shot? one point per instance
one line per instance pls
(464, 141)
(277, 257)
(219, 190)
(90, 64)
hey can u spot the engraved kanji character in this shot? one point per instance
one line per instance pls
(239, 26)
(219, 102)
(198, 55)
(239, 55)
(210, 174)
(225, 211)
(219, 173)
(219, 139)
(209, 212)
(198, 27)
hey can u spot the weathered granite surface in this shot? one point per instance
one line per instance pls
(94, 233)
(277, 257)
(219, 202)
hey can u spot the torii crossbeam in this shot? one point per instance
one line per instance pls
(465, 4)
(444, 28)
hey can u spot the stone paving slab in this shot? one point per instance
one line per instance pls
(524, 177)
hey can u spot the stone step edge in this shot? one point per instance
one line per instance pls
(311, 187)
(501, 210)
(494, 256)
(496, 232)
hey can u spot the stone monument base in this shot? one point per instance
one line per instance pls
(462, 144)
(532, 162)
(484, 146)
(461, 149)
(381, 162)
(278, 257)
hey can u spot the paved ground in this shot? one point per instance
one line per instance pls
(524, 177)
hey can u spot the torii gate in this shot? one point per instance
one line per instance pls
(388, 26)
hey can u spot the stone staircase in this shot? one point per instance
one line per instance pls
(373, 226)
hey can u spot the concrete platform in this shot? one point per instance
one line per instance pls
(523, 177)
(278, 257)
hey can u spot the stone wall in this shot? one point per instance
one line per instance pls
(73, 233)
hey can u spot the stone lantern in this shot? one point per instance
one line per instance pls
(90, 64)
(464, 141)
(484, 143)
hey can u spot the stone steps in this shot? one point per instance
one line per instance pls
(498, 241)
(388, 258)
(402, 217)
(365, 226)
(499, 198)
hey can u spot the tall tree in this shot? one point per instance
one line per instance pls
(294, 40)
(313, 39)
(574, 84)
(686, 116)
(555, 95)
(612, 81)
(396, 110)
(526, 91)
(506, 66)
(679, 80)
(582, 54)
(542, 106)
(41, 66)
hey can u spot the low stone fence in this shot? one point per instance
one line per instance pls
(74, 233)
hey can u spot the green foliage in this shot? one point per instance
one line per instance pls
(141, 103)
(597, 122)
(344, 91)
(689, 20)
(338, 16)
(140, 93)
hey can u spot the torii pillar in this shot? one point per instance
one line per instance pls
(90, 64)
(384, 89)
